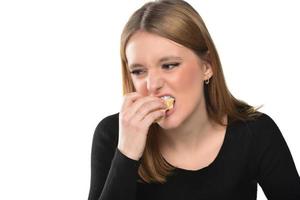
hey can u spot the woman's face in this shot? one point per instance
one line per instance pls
(161, 67)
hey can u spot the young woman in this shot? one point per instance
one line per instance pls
(207, 144)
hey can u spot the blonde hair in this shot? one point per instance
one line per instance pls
(179, 22)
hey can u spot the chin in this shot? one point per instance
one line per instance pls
(168, 124)
(173, 118)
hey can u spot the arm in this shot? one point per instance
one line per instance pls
(114, 171)
(277, 173)
(113, 175)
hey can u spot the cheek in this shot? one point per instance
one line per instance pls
(189, 80)
(140, 87)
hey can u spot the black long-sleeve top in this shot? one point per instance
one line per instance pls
(252, 152)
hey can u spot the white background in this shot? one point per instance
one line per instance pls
(60, 75)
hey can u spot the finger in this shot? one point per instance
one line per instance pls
(153, 117)
(137, 108)
(149, 107)
(130, 98)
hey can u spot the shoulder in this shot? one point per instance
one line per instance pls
(265, 136)
(109, 122)
(263, 127)
(262, 120)
(259, 132)
(107, 130)
(260, 139)
(261, 124)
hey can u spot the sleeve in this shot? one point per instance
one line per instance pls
(277, 174)
(113, 175)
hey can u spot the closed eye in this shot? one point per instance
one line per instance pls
(170, 66)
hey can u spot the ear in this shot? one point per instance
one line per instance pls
(206, 65)
(207, 70)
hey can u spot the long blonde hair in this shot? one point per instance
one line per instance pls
(178, 21)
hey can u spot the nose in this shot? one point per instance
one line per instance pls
(154, 82)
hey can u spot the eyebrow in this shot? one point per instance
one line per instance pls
(167, 58)
(163, 59)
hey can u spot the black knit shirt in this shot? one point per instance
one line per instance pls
(252, 152)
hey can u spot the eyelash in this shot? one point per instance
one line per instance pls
(138, 72)
(170, 64)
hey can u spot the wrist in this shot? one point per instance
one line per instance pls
(129, 154)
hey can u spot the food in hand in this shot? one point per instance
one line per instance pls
(169, 102)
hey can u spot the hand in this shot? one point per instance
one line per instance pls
(137, 114)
